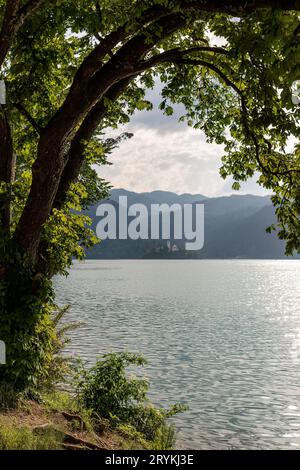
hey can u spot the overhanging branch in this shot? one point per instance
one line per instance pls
(249, 132)
(13, 19)
(28, 116)
(84, 134)
(177, 57)
(175, 54)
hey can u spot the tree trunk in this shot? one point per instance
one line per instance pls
(7, 169)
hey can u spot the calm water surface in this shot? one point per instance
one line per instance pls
(221, 336)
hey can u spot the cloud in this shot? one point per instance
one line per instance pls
(165, 154)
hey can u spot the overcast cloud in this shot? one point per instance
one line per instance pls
(167, 155)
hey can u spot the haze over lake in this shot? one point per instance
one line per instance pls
(220, 336)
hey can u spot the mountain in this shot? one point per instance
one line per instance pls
(155, 197)
(234, 227)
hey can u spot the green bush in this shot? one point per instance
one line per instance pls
(112, 394)
(35, 362)
(9, 398)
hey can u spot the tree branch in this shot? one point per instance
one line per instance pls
(173, 54)
(29, 8)
(8, 27)
(84, 134)
(28, 116)
(14, 17)
(214, 68)
(99, 13)
(93, 119)
(245, 112)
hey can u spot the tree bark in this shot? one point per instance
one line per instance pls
(85, 132)
(14, 17)
(7, 168)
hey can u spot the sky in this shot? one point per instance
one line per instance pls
(165, 154)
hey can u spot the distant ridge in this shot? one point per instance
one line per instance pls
(156, 197)
(235, 227)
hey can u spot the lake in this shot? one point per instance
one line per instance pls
(220, 336)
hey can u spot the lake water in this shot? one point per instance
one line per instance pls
(221, 336)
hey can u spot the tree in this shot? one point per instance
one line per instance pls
(73, 68)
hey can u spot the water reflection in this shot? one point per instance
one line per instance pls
(221, 336)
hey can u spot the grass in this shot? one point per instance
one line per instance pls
(107, 409)
(46, 425)
(13, 437)
(50, 426)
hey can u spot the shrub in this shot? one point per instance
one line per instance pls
(9, 398)
(59, 368)
(112, 394)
